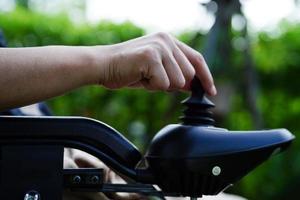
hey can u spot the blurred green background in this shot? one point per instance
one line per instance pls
(257, 77)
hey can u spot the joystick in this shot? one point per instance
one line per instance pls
(195, 158)
(197, 111)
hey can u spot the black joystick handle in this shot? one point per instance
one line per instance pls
(197, 112)
(197, 88)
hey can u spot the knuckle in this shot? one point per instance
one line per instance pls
(163, 35)
(148, 53)
(190, 74)
(178, 83)
(165, 85)
(158, 45)
(199, 58)
(181, 83)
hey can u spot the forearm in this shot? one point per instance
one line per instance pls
(155, 62)
(30, 75)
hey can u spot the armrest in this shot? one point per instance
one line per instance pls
(85, 134)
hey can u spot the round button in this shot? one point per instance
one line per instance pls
(32, 195)
(216, 171)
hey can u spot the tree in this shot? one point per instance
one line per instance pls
(23, 3)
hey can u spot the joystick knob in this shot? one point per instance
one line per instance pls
(197, 112)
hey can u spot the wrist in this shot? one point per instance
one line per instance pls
(102, 58)
(89, 64)
(80, 63)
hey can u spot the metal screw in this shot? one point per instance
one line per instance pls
(95, 179)
(32, 195)
(216, 171)
(76, 179)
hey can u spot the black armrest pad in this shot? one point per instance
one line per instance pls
(86, 134)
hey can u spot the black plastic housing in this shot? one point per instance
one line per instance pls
(195, 158)
(186, 160)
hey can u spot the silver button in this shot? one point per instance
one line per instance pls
(216, 171)
(32, 195)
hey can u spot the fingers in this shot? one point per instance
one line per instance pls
(201, 68)
(174, 72)
(179, 69)
(154, 76)
(169, 68)
(164, 75)
(181, 63)
(185, 66)
(158, 62)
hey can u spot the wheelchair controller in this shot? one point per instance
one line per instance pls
(190, 159)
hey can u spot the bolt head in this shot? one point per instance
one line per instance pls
(76, 179)
(95, 179)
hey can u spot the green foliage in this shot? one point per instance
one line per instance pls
(277, 60)
(24, 28)
(139, 114)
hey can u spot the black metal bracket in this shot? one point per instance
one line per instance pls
(85, 180)
(92, 180)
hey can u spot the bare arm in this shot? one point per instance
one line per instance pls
(29, 75)
(155, 62)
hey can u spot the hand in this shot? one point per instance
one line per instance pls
(155, 62)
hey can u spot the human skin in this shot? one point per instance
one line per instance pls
(154, 62)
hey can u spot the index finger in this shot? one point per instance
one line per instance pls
(201, 68)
